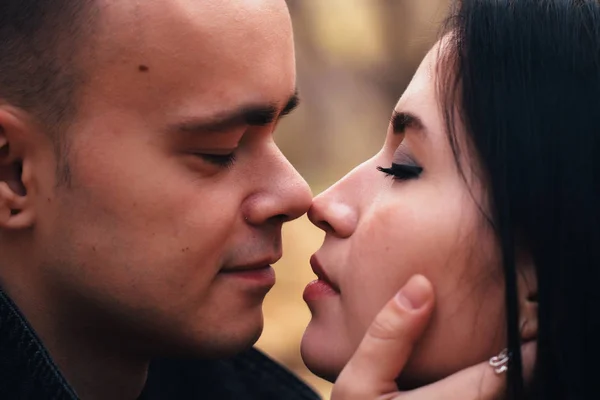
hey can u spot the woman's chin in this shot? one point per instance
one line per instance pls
(318, 363)
(323, 354)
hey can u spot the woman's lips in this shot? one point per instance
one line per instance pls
(317, 289)
(320, 287)
(320, 272)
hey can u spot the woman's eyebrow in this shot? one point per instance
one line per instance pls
(402, 120)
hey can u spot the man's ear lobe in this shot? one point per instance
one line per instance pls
(15, 210)
(3, 143)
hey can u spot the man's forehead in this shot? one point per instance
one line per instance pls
(179, 26)
(203, 13)
(228, 51)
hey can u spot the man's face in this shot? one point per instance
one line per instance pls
(169, 196)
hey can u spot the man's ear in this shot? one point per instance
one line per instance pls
(528, 297)
(16, 211)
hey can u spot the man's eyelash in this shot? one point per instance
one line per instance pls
(221, 160)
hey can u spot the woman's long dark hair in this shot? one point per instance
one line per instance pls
(524, 77)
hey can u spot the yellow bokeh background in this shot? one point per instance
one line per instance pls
(354, 60)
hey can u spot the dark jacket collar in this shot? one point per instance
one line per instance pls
(28, 373)
(250, 375)
(26, 369)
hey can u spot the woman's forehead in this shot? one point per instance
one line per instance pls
(423, 81)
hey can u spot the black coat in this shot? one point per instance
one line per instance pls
(28, 373)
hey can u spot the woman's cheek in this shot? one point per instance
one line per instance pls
(378, 265)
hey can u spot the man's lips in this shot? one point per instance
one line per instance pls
(263, 263)
(321, 274)
(259, 272)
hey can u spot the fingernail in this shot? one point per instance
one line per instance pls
(414, 294)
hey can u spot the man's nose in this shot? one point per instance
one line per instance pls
(286, 197)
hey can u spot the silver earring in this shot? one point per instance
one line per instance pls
(500, 362)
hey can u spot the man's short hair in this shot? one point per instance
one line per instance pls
(40, 46)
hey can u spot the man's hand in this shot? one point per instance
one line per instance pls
(387, 345)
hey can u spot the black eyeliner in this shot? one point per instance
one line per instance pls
(402, 172)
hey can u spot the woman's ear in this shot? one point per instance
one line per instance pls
(15, 208)
(528, 297)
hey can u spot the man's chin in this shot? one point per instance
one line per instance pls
(223, 343)
(232, 346)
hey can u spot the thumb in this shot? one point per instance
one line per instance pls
(388, 343)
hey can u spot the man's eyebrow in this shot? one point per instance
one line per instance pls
(253, 115)
(401, 120)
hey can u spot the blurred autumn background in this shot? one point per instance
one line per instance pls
(354, 60)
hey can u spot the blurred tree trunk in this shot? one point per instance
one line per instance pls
(410, 28)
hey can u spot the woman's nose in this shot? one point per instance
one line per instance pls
(332, 214)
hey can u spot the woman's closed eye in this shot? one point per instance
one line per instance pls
(402, 172)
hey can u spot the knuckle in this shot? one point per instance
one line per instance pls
(347, 391)
(385, 329)
(349, 385)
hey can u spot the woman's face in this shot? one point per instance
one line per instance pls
(381, 229)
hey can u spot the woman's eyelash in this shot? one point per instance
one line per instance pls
(402, 172)
(221, 160)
